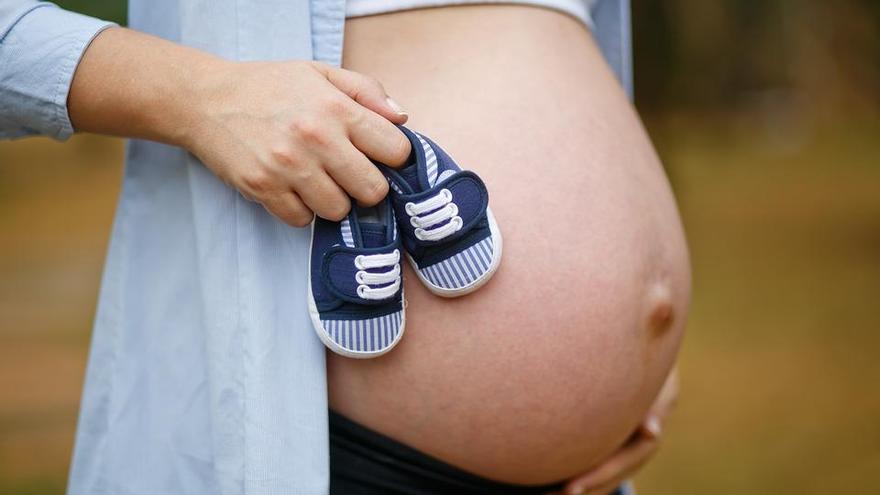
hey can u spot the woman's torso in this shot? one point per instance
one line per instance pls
(550, 366)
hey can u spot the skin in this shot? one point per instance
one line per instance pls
(296, 136)
(638, 449)
(553, 366)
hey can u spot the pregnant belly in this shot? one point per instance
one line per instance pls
(550, 366)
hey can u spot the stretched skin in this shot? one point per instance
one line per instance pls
(548, 368)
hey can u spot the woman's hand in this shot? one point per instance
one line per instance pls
(295, 136)
(614, 471)
(298, 137)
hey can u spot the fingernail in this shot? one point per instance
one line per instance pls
(395, 106)
(652, 424)
(577, 490)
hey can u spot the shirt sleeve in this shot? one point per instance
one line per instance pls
(40, 47)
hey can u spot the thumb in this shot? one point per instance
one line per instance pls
(368, 92)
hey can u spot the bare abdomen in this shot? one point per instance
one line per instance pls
(549, 367)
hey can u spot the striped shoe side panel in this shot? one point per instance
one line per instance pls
(430, 161)
(345, 228)
(462, 269)
(446, 174)
(370, 335)
(395, 187)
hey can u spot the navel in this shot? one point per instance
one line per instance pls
(661, 310)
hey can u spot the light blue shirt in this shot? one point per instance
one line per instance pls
(204, 375)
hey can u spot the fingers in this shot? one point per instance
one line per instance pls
(318, 179)
(622, 464)
(358, 176)
(652, 426)
(322, 195)
(667, 397)
(289, 208)
(327, 159)
(616, 469)
(378, 139)
(367, 91)
(371, 117)
(316, 194)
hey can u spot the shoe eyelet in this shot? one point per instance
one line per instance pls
(420, 234)
(359, 262)
(454, 208)
(414, 221)
(408, 208)
(447, 194)
(360, 291)
(359, 276)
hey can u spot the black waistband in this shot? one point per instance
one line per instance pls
(365, 462)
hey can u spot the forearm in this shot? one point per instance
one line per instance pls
(296, 136)
(131, 84)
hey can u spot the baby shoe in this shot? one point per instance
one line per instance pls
(449, 233)
(355, 282)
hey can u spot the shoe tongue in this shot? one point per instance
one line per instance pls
(373, 234)
(410, 174)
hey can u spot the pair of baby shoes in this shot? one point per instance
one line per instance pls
(437, 215)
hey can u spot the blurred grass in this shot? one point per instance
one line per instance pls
(56, 206)
(779, 368)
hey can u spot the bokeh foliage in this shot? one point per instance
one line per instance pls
(736, 55)
(111, 10)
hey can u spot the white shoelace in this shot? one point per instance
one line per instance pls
(446, 211)
(365, 279)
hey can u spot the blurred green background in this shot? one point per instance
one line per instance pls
(767, 117)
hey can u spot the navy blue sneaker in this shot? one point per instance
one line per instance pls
(355, 282)
(449, 233)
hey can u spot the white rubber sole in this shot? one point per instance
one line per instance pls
(497, 247)
(328, 341)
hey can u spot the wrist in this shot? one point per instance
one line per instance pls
(193, 91)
